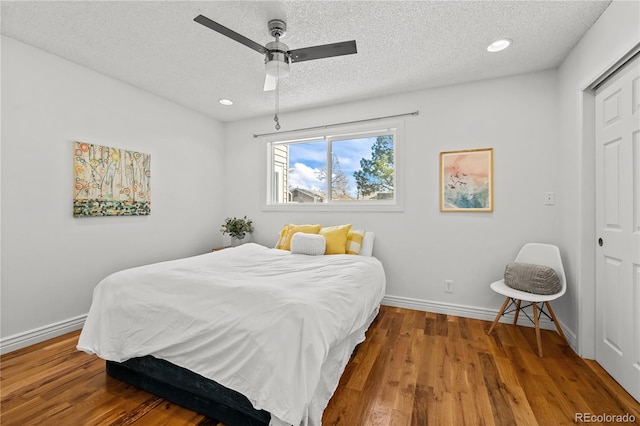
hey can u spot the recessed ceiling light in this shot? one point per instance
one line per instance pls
(499, 45)
(226, 102)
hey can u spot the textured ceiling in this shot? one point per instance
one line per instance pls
(402, 45)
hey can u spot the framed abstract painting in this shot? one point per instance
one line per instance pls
(466, 180)
(110, 181)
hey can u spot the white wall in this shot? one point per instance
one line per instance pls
(421, 247)
(609, 39)
(51, 261)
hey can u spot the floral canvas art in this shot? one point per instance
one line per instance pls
(110, 181)
(466, 181)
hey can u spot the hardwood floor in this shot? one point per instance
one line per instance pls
(415, 368)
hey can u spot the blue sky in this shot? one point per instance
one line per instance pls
(306, 159)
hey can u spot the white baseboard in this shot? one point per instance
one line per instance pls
(472, 312)
(37, 335)
(40, 334)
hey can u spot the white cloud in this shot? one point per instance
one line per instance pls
(303, 176)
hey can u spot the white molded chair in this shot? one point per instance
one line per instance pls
(539, 254)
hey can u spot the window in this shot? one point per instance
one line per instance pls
(350, 169)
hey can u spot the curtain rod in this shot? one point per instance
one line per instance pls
(326, 126)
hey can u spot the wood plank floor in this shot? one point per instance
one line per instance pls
(415, 368)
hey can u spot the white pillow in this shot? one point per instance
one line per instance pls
(310, 244)
(367, 244)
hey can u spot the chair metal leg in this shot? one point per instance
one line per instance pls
(515, 318)
(555, 321)
(534, 305)
(495, 322)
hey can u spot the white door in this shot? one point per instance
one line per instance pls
(618, 227)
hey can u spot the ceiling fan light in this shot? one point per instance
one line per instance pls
(499, 45)
(277, 68)
(225, 102)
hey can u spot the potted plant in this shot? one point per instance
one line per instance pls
(237, 228)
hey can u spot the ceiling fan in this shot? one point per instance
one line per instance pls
(277, 56)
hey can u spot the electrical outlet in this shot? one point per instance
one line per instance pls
(448, 286)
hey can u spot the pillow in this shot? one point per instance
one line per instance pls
(354, 241)
(537, 279)
(283, 237)
(367, 244)
(309, 244)
(336, 237)
(291, 230)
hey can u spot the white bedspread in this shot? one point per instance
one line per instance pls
(257, 320)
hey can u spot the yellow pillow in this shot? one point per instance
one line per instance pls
(283, 237)
(354, 241)
(336, 237)
(293, 229)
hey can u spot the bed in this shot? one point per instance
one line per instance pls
(247, 336)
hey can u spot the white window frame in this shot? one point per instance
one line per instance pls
(395, 127)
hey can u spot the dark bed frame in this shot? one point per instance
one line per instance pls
(190, 390)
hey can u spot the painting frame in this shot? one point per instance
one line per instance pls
(466, 180)
(110, 181)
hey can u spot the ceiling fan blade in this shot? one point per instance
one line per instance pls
(324, 51)
(201, 19)
(270, 83)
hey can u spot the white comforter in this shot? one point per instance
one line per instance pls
(257, 320)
